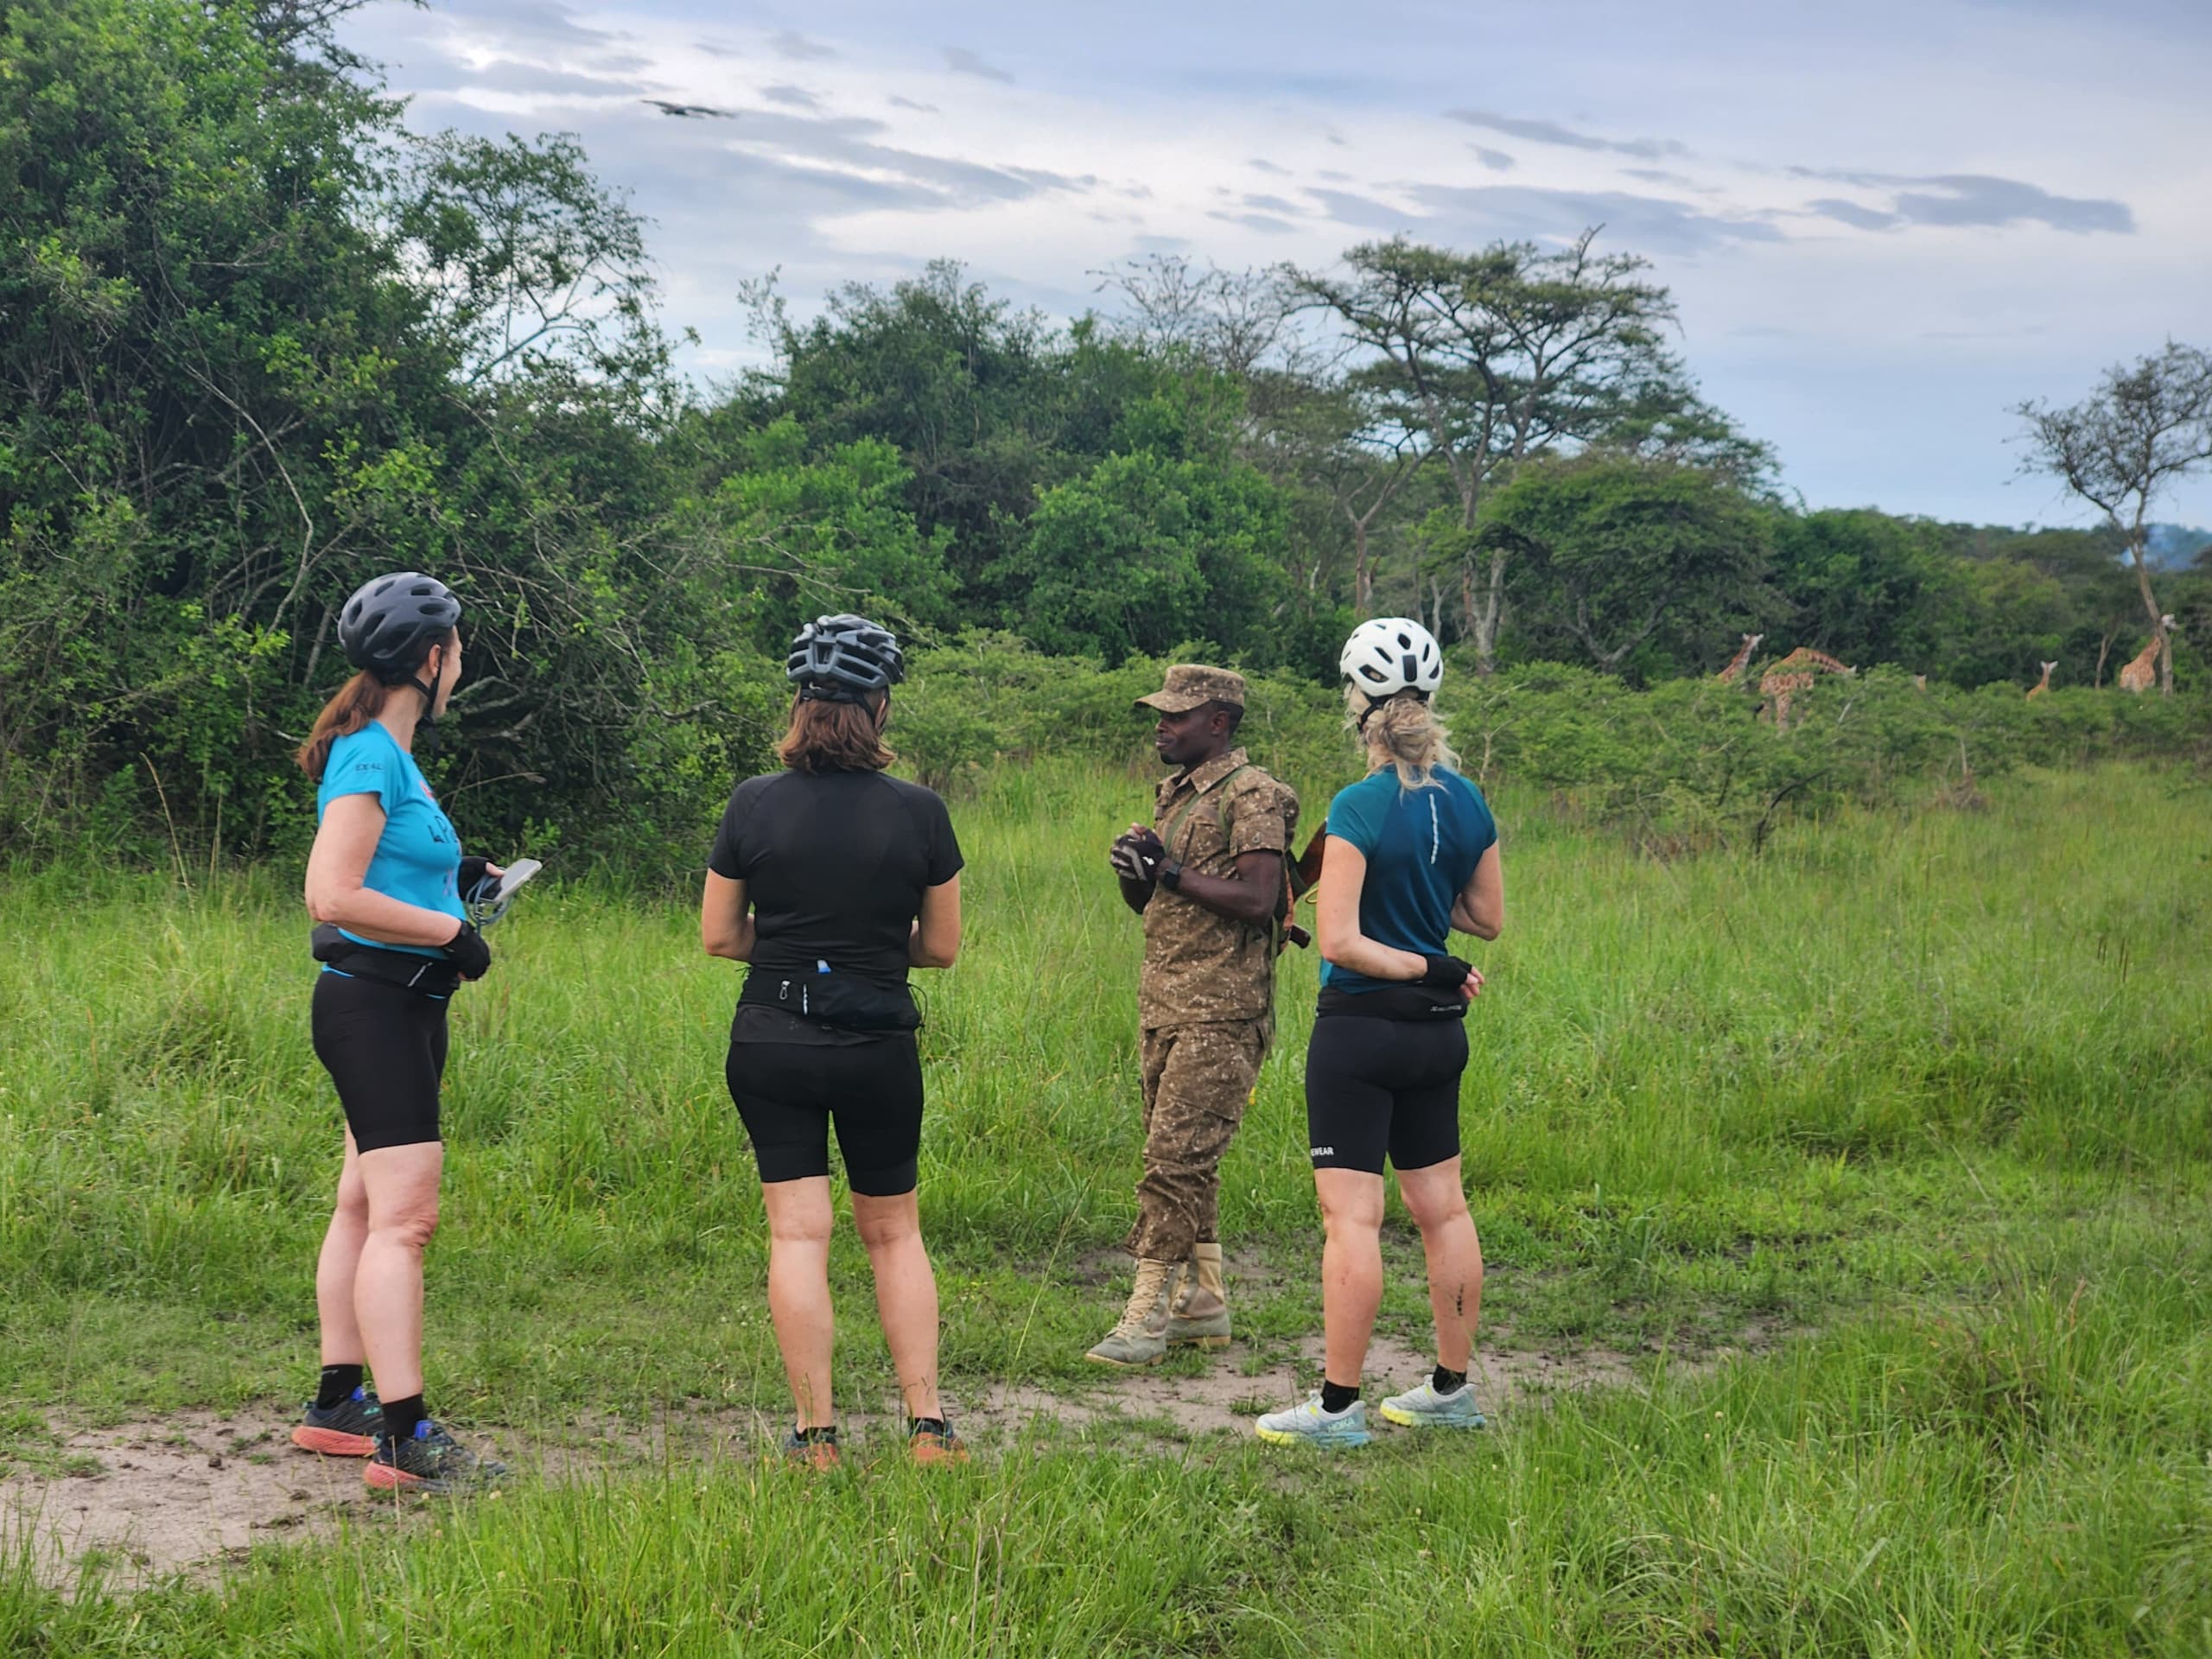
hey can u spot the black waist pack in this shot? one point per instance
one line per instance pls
(432, 976)
(843, 1001)
(1423, 1004)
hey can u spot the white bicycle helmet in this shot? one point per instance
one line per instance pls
(1392, 654)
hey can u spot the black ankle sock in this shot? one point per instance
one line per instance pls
(1445, 1382)
(338, 1383)
(400, 1416)
(824, 1435)
(1335, 1396)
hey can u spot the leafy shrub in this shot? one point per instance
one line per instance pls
(1684, 764)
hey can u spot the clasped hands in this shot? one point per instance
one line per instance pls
(1136, 855)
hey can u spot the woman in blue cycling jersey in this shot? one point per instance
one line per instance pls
(384, 884)
(1411, 856)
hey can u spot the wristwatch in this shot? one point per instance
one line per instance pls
(1171, 875)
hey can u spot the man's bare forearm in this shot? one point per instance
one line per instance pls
(1230, 896)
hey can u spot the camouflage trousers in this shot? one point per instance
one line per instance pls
(1198, 1080)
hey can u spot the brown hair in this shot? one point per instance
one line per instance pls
(1403, 732)
(837, 737)
(359, 701)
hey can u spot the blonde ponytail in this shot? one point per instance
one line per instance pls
(1401, 731)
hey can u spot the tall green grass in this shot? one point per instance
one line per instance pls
(1934, 1085)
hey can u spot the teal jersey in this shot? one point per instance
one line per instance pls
(417, 859)
(1422, 847)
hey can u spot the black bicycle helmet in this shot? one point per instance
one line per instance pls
(844, 659)
(390, 622)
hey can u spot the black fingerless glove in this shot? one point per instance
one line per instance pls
(472, 874)
(1447, 973)
(1137, 855)
(470, 956)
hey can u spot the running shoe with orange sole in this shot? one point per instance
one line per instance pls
(812, 1448)
(430, 1461)
(930, 1440)
(348, 1429)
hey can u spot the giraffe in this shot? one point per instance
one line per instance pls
(2042, 685)
(2142, 674)
(1793, 674)
(1920, 681)
(1727, 676)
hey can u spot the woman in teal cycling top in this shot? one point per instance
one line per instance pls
(1411, 857)
(384, 884)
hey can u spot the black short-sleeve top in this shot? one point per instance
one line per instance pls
(835, 865)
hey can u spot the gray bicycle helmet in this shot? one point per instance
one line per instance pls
(390, 622)
(843, 659)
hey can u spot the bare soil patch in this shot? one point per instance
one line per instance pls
(189, 1491)
(148, 1498)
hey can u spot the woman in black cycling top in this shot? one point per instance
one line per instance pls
(831, 879)
(1411, 855)
(385, 883)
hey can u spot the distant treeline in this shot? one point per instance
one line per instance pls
(261, 343)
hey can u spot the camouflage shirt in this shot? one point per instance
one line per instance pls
(1199, 966)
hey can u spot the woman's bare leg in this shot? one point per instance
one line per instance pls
(401, 1184)
(1439, 1206)
(338, 1265)
(906, 1294)
(1351, 1268)
(800, 1221)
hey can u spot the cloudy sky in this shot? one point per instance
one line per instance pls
(1884, 222)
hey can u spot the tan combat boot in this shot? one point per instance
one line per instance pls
(1141, 1336)
(1198, 1315)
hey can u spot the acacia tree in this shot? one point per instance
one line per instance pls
(1493, 357)
(2142, 430)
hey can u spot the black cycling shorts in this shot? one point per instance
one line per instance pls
(790, 1094)
(384, 1046)
(1374, 1086)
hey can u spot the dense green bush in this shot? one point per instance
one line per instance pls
(1685, 763)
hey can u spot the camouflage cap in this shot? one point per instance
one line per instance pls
(1190, 684)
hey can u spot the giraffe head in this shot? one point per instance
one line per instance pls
(2047, 667)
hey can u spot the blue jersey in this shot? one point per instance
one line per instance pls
(1422, 847)
(417, 859)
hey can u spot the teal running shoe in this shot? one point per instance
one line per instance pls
(1308, 1425)
(1424, 1407)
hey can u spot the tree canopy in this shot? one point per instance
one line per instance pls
(263, 342)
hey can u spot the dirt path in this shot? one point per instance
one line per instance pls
(136, 1501)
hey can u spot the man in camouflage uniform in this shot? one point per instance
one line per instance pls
(1207, 877)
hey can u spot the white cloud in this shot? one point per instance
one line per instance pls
(1994, 199)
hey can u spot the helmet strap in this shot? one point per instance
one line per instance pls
(429, 692)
